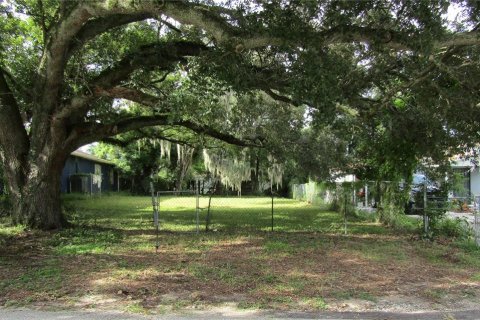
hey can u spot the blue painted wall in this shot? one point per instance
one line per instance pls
(80, 165)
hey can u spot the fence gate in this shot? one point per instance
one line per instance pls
(170, 206)
(173, 204)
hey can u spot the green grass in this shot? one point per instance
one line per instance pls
(354, 294)
(84, 240)
(8, 231)
(317, 303)
(228, 214)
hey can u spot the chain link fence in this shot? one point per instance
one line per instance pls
(190, 211)
(438, 211)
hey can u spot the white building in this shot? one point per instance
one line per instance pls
(471, 177)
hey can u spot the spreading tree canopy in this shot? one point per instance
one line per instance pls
(394, 66)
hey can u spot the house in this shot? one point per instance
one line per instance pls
(470, 174)
(87, 173)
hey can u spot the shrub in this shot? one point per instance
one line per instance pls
(452, 228)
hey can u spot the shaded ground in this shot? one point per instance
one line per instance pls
(111, 264)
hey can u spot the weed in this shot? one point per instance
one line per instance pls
(454, 229)
(435, 294)
(468, 293)
(366, 296)
(354, 294)
(136, 307)
(270, 278)
(317, 303)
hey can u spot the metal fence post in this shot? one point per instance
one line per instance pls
(345, 211)
(197, 206)
(272, 209)
(476, 226)
(156, 223)
(354, 199)
(366, 195)
(425, 217)
(476, 222)
(207, 220)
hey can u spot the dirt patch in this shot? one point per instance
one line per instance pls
(282, 272)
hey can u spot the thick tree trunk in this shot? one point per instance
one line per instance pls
(36, 202)
(40, 206)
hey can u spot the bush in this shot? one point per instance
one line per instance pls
(452, 228)
(469, 245)
(364, 215)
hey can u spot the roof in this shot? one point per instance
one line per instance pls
(91, 157)
(459, 163)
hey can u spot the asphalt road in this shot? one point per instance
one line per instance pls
(25, 314)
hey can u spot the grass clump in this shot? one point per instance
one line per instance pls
(84, 240)
(316, 303)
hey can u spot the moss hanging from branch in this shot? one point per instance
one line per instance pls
(275, 172)
(232, 172)
(165, 149)
(184, 162)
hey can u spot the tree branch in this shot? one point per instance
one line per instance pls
(126, 142)
(171, 26)
(161, 56)
(93, 28)
(130, 94)
(55, 59)
(471, 38)
(91, 132)
(279, 97)
(223, 32)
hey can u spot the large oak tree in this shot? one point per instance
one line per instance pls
(65, 64)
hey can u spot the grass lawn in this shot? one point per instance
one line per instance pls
(109, 260)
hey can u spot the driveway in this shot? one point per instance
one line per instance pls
(469, 217)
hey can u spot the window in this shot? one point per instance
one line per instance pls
(461, 182)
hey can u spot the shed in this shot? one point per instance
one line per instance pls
(87, 173)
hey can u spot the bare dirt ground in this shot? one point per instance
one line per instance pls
(284, 272)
